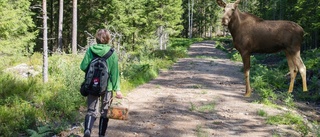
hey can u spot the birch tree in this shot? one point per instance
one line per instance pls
(190, 14)
(45, 41)
(60, 25)
(74, 27)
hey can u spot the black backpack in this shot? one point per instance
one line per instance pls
(97, 76)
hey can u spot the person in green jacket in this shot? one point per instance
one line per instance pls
(101, 48)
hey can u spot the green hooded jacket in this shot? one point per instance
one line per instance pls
(112, 61)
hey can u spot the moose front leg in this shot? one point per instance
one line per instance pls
(246, 68)
(248, 87)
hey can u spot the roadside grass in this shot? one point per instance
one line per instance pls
(289, 119)
(262, 113)
(203, 108)
(207, 107)
(27, 103)
(192, 107)
(206, 57)
(204, 92)
(197, 86)
(316, 128)
(201, 132)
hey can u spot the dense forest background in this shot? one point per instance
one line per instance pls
(138, 24)
(149, 35)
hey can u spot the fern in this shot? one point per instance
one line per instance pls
(43, 131)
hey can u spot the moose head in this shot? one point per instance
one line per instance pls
(228, 10)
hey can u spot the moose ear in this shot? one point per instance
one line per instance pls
(236, 3)
(221, 3)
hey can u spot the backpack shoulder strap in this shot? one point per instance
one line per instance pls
(108, 54)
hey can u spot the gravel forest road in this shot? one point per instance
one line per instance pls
(200, 96)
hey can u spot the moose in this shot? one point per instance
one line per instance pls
(252, 34)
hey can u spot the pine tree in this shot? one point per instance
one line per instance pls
(15, 26)
(165, 18)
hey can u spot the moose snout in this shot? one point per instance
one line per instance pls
(225, 21)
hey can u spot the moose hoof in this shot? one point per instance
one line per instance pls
(305, 90)
(247, 95)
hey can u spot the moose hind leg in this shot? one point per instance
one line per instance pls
(293, 71)
(302, 69)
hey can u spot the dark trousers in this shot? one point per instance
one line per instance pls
(95, 105)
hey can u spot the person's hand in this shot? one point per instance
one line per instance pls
(119, 95)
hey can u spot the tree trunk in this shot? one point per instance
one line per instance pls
(316, 39)
(190, 5)
(160, 36)
(60, 26)
(74, 27)
(51, 27)
(45, 42)
(166, 37)
(189, 19)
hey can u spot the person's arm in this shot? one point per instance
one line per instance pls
(86, 60)
(115, 77)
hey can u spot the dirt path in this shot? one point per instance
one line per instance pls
(170, 105)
